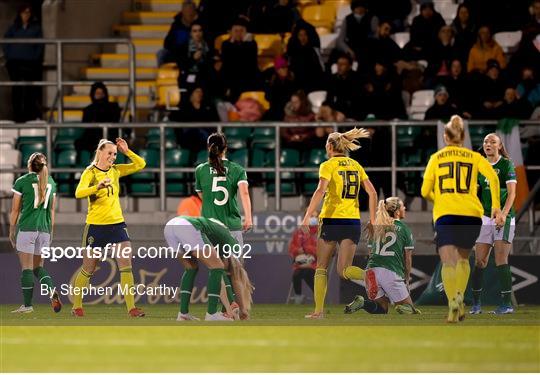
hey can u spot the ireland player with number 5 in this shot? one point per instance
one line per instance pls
(31, 228)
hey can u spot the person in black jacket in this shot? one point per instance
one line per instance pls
(381, 47)
(279, 89)
(356, 29)
(465, 32)
(178, 36)
(24, 63)
(305, 60)
(442, 109)
(424, 30)
(442, 55)
(513, 106)
(239, 56)
(343, 89)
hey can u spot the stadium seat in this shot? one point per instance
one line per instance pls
(154, 132)
(237, 137)
(289, 158)
(143, 183)
(263, 138)
(6, 183)
(310, 179)
(28, 149)
(66, 181)
(218, 42)
(259, 96)
(328, 41)
(343, 11)
(316, 98)
(269, 45)
(202, 157)
(447, 9)
(9, 136)
(10, 159)
(401, 38)
(154, 142)
(85, 158)
(508, 40)
(240, 157)
(177, 157)
(406, 135)
(421, 101)
(323, 15)
(478, 133)
(258, 158)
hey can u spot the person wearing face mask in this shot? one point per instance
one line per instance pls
(303, 251)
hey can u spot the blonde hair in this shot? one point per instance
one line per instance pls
(37, 163)
(455, 130)
(101, 145)
(384, 217)
(343, 143)
(502, 150)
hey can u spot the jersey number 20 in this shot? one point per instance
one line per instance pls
(351, 184)
(47, 195)
(456, 171)
(216, 188)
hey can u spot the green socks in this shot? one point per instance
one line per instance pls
(214, 286)
(27, 284)
(44, 279)
(186, 286)
(505, 278)
(230, 292)
(477, 276)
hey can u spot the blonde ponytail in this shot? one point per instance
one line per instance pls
(384, 218)
(455, 130)
(37, 163)
(102, 143)
(343, 143)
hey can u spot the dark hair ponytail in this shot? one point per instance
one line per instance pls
(217, 144)
(37, 163)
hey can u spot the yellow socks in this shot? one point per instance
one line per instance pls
(448, 275)
(81, 281)
(320, 284)
(353, 273)
(463, 270)
(127, 282)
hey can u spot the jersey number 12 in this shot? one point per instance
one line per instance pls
(47, 195)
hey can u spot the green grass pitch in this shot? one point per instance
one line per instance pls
(278, 338)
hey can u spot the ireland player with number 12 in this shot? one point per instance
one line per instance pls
(31, 228)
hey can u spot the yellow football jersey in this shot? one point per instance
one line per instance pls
(451, 182)
(345, 176)
(104, 204)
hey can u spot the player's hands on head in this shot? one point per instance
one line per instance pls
(104, 183)
(122, 145)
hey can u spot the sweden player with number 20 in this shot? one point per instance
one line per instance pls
(31, 228)
(450, 182)
(340, 179)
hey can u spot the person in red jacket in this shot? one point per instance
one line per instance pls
(303, 250)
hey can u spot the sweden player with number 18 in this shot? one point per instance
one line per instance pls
(100, 184)
(218, 181)
(31, 228)
(450, 182)
(340, 179)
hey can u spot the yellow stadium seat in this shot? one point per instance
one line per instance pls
(168, 71)
(269, 44)
(258, 96)
(337, 3)
(323, 15)
(168, 96)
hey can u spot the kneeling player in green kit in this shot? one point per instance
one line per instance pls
(389, 266)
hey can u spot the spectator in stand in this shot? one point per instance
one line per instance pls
(491, 91)
(239, 56)
(196, 109)
(303, 251)
(382, 94)
(442, 109)
(465, 32)
(282, 17)
(381, 47)
(194, 58)
(311, 31)
(190, 206)
(458, 87)
(305, 60)
(101, 110)
(342, 88)
(216, 86)
(424, 30)
(326, 114)
(444, 52)
(178, 36)
(513, 106)
(356, 29)
(485, 48)
(298, 109)
(280, 87)
(218, 15)
(529, 87)
(535, 17)
(395, 11)
(528, 52)
(24, 63)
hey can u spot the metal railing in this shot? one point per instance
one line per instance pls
(162, 170)
(59, 83)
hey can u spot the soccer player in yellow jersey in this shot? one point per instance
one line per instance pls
(450, 181)
(340, 179)
(105, 222)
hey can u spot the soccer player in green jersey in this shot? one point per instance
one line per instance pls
(218, 182)
(389, 266)
(204, 240)
(31, 228)
(492, 236)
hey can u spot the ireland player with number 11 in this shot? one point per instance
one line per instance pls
(31, 228)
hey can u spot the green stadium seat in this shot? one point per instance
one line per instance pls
(146, 189)
(289, 158)
(411, 159)
(66, 181)
(202, 157)
(263, 138)
(258, 157)
(176, 189)
(69, 133)
(406, 135)
(237, 137)
(66, 158)
(30, 140)
(28, 149)
(154, 133)
(240, 157)
(152, 161)
(122, 159)
(287, 188)
(154, 142)
(85, 158)
(308, 188)
(314, 158)
(478, 133)
(176, 158)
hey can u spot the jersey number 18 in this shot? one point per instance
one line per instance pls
(351, 184)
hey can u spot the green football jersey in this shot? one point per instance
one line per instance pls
(34, 216)
(507, 173)
(390, 252)
(212, 232)
(219, 192)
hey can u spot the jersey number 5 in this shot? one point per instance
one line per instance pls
(216, 188)
(47, 195)
(464, 170)
(351, 184)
